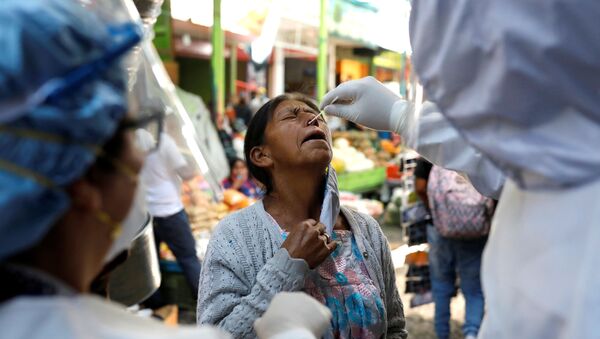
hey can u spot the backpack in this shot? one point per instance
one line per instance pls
(457, 209)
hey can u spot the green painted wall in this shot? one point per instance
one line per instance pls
(163, 33)
(195, 77)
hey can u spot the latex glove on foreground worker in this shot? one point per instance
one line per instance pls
(293, 314)
(516, 99)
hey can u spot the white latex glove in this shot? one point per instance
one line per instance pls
(368, 102)
(293, 315)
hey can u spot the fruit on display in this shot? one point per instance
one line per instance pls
(418, 258)
(338, 165)
(203, 212)
(370, 207)
(389, 147)
(235, 199)
(353, 160)
(361, 145)
(341, 143)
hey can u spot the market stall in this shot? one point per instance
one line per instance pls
(375, 176)
(361, 159)
(365, 161)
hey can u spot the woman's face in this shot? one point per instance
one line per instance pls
(293, 141)
(239, 170)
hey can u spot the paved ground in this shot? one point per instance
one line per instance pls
(419, 320)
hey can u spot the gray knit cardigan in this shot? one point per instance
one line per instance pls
(245, 267)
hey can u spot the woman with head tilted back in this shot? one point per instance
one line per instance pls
(297, 238)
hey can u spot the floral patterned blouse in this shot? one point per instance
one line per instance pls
(342, 283)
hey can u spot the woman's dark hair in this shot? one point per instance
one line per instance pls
(256, 133)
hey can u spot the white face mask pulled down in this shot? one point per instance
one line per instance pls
(331, 202)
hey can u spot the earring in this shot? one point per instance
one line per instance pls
(116, 232)
(117, 228)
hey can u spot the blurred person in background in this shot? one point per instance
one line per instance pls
(230, 109)
(162, 177)
(461, 219)
(235, 122)
(239, 180)
(242, 111)
(69, 167)
(421, 177)
(255, 102)
(257, 99)
(515, 109)
(226, 136)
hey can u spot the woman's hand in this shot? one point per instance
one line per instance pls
(308, 240)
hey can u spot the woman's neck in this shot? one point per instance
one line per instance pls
(297, 196)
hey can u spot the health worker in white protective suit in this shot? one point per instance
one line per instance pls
(516, 87)
(69, 170)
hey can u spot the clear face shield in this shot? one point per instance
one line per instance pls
(160, 121)
(122, 17)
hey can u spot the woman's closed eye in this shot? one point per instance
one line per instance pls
(293, 113)
(313, 113)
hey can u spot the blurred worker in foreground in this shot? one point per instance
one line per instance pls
(515, 85)
(69, 170)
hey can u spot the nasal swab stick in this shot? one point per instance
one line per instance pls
(315, 118)
(322, 112)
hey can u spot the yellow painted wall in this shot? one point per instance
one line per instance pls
(352, 69)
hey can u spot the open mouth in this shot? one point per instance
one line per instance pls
(316, 134)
